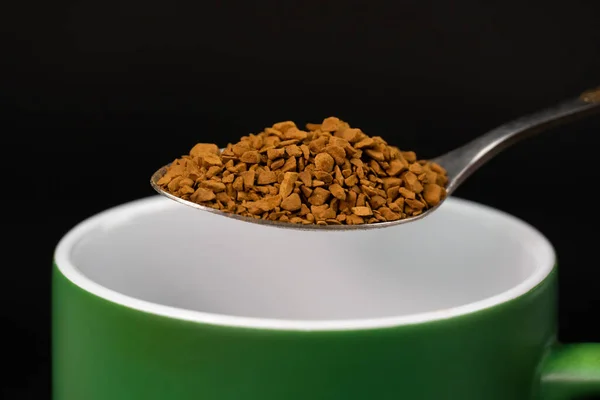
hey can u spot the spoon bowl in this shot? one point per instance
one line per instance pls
(459, 163)
(288, 225)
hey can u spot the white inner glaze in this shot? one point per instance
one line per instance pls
(165, 258)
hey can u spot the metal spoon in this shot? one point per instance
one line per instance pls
(459, 163)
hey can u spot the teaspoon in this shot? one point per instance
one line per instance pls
(459, 163)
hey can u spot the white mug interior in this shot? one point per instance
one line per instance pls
(162, 257)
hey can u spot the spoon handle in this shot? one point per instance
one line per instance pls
(463, 161)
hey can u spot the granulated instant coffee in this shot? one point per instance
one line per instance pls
(329, 173)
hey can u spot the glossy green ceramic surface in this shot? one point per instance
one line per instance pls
(105, 351)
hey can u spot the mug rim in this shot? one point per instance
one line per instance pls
(115, 215)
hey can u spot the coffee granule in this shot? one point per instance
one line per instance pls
(591, 96)
(328, 174)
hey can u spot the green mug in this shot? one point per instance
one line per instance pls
(155, 300)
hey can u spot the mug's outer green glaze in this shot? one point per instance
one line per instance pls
(110, 352)
(107, 351)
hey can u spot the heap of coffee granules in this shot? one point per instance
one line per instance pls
(329, 173)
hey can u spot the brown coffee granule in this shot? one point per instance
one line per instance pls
(591, 96)
(328, 174)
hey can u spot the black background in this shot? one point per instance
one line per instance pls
(96, 95)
